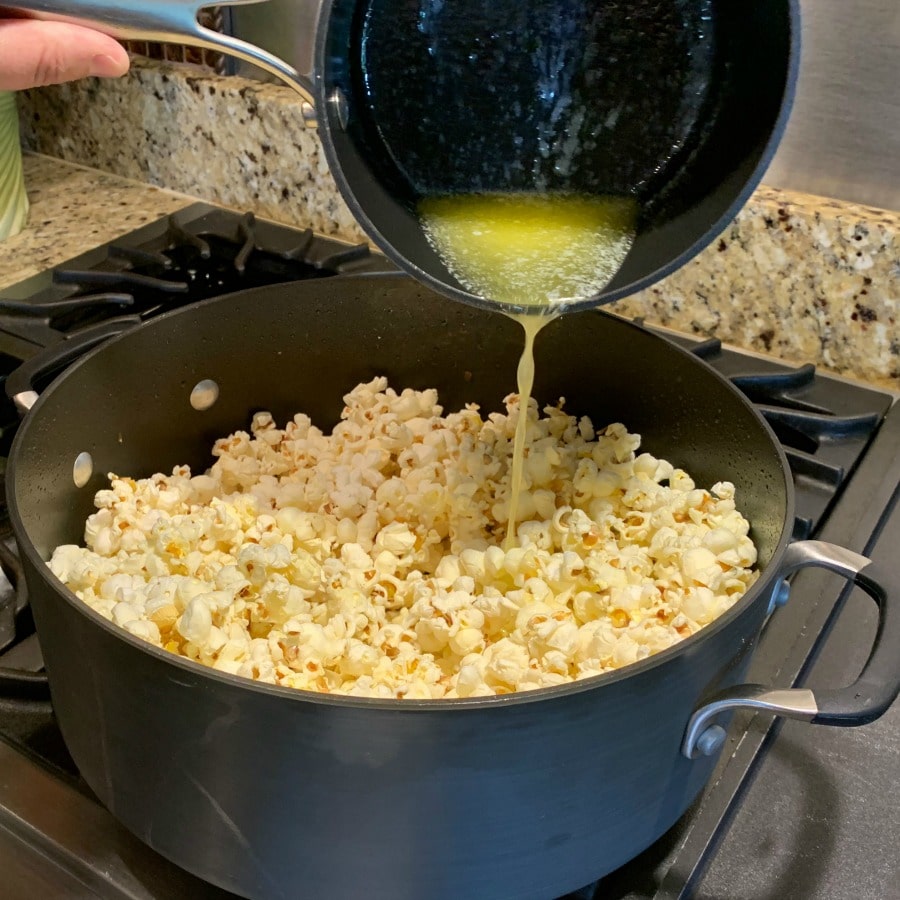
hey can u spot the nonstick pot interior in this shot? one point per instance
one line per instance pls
(301, 347)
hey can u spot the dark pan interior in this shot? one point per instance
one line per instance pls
(301, 347)
(678, 103)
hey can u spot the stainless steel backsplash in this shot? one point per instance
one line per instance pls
(843, 138)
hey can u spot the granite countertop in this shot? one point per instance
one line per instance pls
(803, 278)
(74, 208)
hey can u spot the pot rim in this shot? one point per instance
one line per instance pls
(755, 594)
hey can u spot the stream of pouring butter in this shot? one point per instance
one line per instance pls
(532, 324)
(539, 251)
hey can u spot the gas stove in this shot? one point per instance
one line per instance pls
(791, 811)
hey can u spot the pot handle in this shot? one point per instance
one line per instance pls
(862, 702)
(20, 683)
(20, 383)
(171, 21)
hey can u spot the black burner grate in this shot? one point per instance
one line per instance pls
(195, 254)
(193, 267)
(823, 424)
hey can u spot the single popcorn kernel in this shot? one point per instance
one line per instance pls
(368, 561)
(165, 617)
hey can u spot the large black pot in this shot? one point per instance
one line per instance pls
(272, 792)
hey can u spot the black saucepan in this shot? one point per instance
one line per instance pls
(679, 104)
(271, 792)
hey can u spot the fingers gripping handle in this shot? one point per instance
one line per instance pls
(862, 702)
(166, 21)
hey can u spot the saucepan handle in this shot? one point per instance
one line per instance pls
(865, 700)
(167, 21)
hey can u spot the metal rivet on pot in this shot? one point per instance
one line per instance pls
(308, 111)
(25, 400)
(204, 394)
(780, 595)
(711, 740)
(338, 104)
(83, 469)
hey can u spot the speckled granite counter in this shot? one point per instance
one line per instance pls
(800, 277)
(74, 209)
(230, 141)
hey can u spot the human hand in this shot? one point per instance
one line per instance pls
(35, 53)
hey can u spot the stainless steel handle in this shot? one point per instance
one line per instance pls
(863, 701)
(167, 21)
(22, 382)
(21, 674)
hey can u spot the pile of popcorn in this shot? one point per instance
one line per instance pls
(371, 561)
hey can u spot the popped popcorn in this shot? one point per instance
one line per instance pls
(370, 562)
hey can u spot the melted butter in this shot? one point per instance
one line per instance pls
(524, 382)
(536, 251)
(532, 250)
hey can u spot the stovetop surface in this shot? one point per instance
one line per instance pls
(792, 810)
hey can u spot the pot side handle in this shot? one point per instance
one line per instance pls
(22, 383)
(862, 702)
(21, 684)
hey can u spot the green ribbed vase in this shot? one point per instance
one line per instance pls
(13, 199)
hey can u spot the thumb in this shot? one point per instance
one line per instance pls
(33, 54)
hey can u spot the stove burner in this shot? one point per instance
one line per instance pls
(193, 267)
(770, 386)
(195, 254)
(823, 425)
